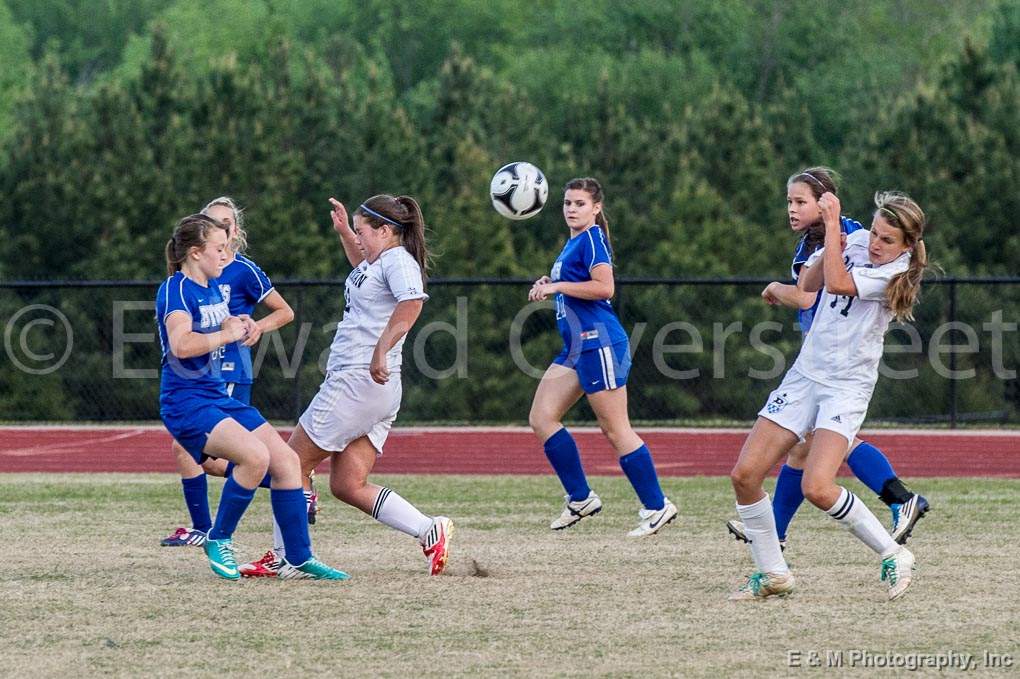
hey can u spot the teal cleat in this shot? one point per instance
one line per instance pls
(221, 558)
(313, 569)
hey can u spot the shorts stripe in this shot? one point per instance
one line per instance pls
(609, 361)
(380, 500)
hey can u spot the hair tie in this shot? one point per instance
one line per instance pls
(365, 208)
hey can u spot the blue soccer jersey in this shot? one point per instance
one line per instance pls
(585, 323)
(207, 310)
(806, 316)
(243, 285)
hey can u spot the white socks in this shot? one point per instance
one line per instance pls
(760, 529)
(858, 519)
(398, 513)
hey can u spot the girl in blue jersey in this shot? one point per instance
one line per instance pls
(595, 361)
(868, 463)
(195, 324)
(244, 286)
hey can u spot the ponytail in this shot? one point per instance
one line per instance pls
(901, 212)
(190, 232)
(412, 235)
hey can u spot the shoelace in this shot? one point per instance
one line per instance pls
(755, 583)
(889, 571)
(226, 552)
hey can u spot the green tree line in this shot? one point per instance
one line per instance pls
(692, 114)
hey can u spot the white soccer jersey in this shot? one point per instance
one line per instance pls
(371, 293)
(844, 346)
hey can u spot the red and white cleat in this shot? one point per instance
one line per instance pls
(436, 544)
(266, 567)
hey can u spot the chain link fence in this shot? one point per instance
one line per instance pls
(705, 352)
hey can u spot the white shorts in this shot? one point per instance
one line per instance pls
(350, 405)
(803, 405)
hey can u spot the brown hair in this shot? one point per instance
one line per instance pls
(594, 189)
(820, 180)
(403, 215)
(190, 232)
(901, 212)
(239, 244)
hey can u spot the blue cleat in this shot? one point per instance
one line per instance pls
(221, 558)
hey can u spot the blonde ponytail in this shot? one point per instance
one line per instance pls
(901, 212)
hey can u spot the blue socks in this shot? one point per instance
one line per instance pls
(196, 497)
(561, 450)
(872, 467)
(265, 479)
(233, 503)
(640, 471)
(787, 498)
(292, 517)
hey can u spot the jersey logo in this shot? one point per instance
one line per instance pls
(225, 292)
(357, 278)
(590, 334)
(213, 314)
(777, 404)
(556, 271)
(837, 419)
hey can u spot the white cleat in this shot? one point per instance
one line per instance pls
(898, 571)
(652, 520)
(575, 511)
(436, 544)
(763, 585)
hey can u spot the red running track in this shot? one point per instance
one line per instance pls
(510, 450)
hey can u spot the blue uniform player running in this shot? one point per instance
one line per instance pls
(194, 324)
(595, 362)
(867, 462)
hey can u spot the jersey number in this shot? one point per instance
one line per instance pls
(845, 311)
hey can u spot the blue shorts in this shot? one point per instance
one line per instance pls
(191, 416)
(599, 369)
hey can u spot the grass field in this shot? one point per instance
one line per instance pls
(87, 591)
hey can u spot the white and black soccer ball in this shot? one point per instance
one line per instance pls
(518, 190)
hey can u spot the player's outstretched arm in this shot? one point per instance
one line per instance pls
(342, 226)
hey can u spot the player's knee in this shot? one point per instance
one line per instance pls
(744, 479)
(257, 457)
(816, 490)
(539, 422)
(344, 489)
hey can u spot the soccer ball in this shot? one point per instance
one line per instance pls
(518, 190)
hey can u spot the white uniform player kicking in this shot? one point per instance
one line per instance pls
(351, 415)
